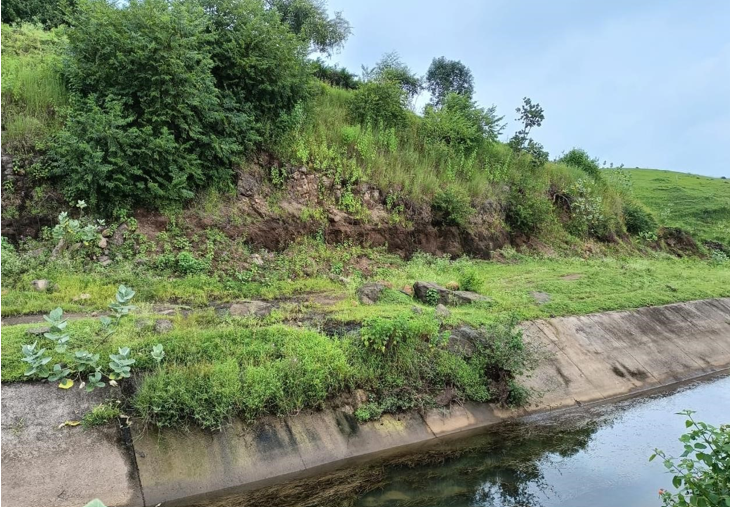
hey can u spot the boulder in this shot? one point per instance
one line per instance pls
(369, 293)
(103, 243)
(407, 290)
(442, 312)
(247, 185)
(462, 341)
(432, 293)
(41, 285)
(163, 326)
(118, 236)
(251, 309)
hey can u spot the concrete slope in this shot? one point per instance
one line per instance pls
(593, 358)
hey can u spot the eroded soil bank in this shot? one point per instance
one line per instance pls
(594, 358)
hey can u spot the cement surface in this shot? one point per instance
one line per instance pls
(592, 358)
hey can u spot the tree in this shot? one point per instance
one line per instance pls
(448, 76)
(380, 104)
(531, 115)
(47, 12)
(390, 68)
(309, 20)
(334, 75)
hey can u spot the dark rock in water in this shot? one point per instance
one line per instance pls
(251, 309)
(369, 293)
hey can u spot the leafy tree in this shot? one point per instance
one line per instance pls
(391, 68)
(448, 76)
(531, 115)
(379, 103)
(459, 122)
(309, 20)
(47, 12)
(259, 65)
(147, 110)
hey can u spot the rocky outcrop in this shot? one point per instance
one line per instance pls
(369, 293)
(432, 293)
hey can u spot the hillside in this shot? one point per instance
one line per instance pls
(698, 204)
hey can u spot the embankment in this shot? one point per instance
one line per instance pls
(594, 358)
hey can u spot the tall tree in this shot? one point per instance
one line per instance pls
(309, 19)
(448, 76)
(391, 68)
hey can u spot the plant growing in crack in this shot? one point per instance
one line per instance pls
(120, 364)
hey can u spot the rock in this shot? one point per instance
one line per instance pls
(41, 285)
(452, 285)
(82, 297)
(118, 236)
(369, 293)
(462, 341)
(446, 397)
(107, 233)
(407, 290)
(38, 331)
(540, 297)
(247, 185)
(256, 259)
(417, 310)
(442, 312)
(103, 242)
(251, 309)
(431, 293)
(58, 248)
(104, 260)
(163, 326)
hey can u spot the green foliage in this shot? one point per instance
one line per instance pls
(101, 415)
(121, 364)
(448, 76)
(187, 264)
(158, 353)
(379, 103)
(531, 116)
(57, 333)
(527, 209)
(586, 210)
(638, 218)
(334, 75)
(37, 361)
(310, 21)
(384, 335)
(46, 12)
(12, 264)
(469, 279)
(580, 159)
(451, 207)
(460, 123)
(391, 69)
(701, 475)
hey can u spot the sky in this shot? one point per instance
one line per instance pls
(644, 83)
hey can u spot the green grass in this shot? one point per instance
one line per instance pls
(698, 204)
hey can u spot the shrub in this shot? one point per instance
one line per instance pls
(580, 159)
(379, 104)
(12, 265)
(383, 334)
(527, 209)
(460, 123)
(334, 75)
(586, 210)
(451, 207)
(187, 264)
(638, 218)
(469, 279)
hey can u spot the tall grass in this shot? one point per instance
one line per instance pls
(32, 88)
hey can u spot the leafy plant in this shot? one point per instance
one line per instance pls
(86, 361)
(382, 334)
(59, 373)
(638, 219)
(580, 159)
(158, 353)
(451, 207)
(56, 332)
(121, 364)
(93, 381)
(37, 361)
(448, 76)
(701, 473)
(379, 103)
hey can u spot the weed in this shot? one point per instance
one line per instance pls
(101, 415)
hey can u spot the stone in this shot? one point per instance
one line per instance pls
(104, 260)
(118, 236)
(163, 326)
(103, 243)
(251, 309)
(369, 294)
(82, 297)
(247, 185)
(58, 248)
(432, 293)
(540, 297)
(107, 233)
(462, 341)
(417, 310)
(38, 331)
(256, 259)
(407, 290)
(445, 398)
(442, 312)
(452, 285)
(41, 285)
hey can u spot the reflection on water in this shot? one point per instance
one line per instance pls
(597, 458)
(600, 460)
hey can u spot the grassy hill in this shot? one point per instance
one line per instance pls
(698, 204)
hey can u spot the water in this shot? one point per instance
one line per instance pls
(595, 457)
(600, 460)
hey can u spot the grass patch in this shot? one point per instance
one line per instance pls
(698, 204)
(101, 414)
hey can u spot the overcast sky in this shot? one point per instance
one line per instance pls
(641, 82)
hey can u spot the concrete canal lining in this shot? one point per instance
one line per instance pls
(594, 358)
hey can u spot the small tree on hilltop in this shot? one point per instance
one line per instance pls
(309, 20)
(530, 115)
(390, 68)
(448, 76)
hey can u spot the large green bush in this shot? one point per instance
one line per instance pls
(379, 103)
(580, 159)
(638, 218)
(451, 207)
